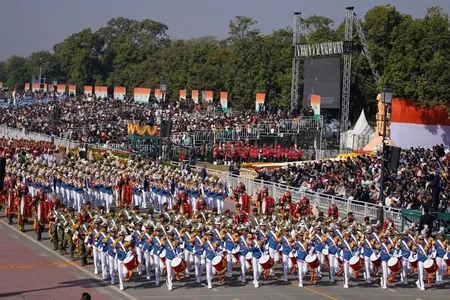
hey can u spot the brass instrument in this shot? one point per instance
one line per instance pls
(193, 236)
(105, 239)
(182, 232)
(215, 245)
(115, 241)
(235, 237)
(398, 243)
(223, 232)
(175, 243)
(249, 239)
(163, 241)
(261, 243)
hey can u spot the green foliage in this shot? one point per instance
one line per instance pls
(411, 54)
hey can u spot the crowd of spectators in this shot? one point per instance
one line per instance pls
(420, 180)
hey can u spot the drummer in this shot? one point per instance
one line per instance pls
(422, 256)
(405, 253)
(172, 251)
(385, 255)
(211, 249)
(121, 255)
(301, 251)
(440, 253)
(258, 247)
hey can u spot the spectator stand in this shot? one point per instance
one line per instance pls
(441, 220)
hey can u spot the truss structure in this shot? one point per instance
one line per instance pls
(344, 48)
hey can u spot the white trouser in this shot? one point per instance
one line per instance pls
(440, 273)
(346, 272)
(301, 265)
(104, 260)
(144, 199)
(321, 261)
(112, 267)
(199, 267)
(188, 259)
(421, 275)
(367, 267)
(193, 202)
(385, 275)
(157, 263)
(219, 205)
(405, 269)
(285, 266)
(256, 270)
(332, 263)
(121, 270)
(148, 264)
(243, 262)
(272, 254)
(209, 272)
(229, 263)
(169, 274)
(95, 254)
(139, 258)
(137, 199)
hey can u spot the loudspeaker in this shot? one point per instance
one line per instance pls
(394, 158)
(2, 172)
(168, 128)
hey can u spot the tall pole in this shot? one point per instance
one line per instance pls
(161, 125)
(383, 156)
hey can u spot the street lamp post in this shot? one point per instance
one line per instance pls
(386, 99)
(163, 88)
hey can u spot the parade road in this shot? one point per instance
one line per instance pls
(32, 270)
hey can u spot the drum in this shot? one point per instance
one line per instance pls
(266, 262)
(356, 263)
(42, 212)
(162, 256)
(131, 263)
(178, 265)
(219, 263)
(446, 259)
(430, 266)
(248, 260)
(413, 261)
(26, 207)
(313, 261)
(394, 264)
(375, 259)
(235, 256)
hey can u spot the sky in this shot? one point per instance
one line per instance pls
(27, 26)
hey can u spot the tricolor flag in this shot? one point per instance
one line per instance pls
(195, 96)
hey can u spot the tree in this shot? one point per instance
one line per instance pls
(16, 68)
(242, 27)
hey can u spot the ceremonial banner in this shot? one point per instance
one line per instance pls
(141, 95)
(1, 84)
(61, 88)
(119, 92)
(73, 90)
(101, 91)
(50, 88)
(260, 98)
(13, 203)
(195, 96)
(88, 89)
(35, 87)
(158, 94)
(207, 96)
(183, 95)
(224, 101)
(315, 105)
(26, 207)
(27, 86)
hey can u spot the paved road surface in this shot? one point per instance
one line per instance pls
(30, 271)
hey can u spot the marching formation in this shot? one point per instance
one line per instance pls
(185, 231)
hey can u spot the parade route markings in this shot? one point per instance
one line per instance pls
(68, 262)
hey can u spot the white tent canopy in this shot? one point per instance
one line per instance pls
(360, 135)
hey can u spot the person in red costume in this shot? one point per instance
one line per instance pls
(83, 217)
(244, 201)
(186, 208)
(241, 216)
(333, 211)
(267, 203)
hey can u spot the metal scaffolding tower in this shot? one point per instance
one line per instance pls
(344, 48)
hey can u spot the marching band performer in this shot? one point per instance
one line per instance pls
(301, 250)
(286, 249)
(230, 241)
(422, 256)
(196, 242)
(367, 251)
(138, 247)
(385, 254)
(319, 245)
(332, 243)
(244, 248)
(257, 248)
(441, 250)
(158, 246)
(111, 252)
(172, 250)
(188, 248)
(273, 243)
(211, 249)
(120, 248)
(146, 241)
(348, 248)
(405, 249)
